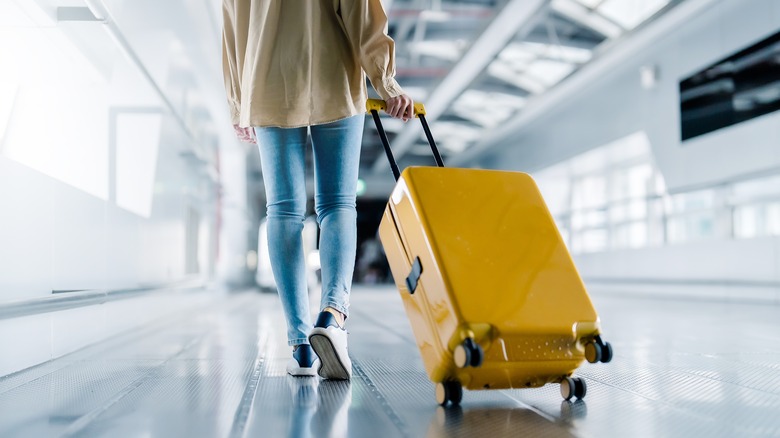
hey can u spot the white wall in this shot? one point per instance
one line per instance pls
(614, 105)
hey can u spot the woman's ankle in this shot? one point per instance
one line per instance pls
(340, 317)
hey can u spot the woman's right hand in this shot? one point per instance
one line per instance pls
(400, 107)
(247, 135)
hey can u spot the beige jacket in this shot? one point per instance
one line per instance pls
(291, 63)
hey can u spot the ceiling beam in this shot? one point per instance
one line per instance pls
(516, 16)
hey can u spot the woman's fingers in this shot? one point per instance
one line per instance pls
(247, 135)
(400, 107)
(409, 110)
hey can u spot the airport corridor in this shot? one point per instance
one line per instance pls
(681, 368)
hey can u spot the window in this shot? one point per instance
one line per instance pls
(614, 197)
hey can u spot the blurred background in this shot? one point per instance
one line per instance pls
(647, 123)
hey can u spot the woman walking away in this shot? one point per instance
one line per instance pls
(294, 68)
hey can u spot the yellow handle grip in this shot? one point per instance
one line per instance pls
(381, 105)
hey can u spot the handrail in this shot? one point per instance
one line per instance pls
(71, 300)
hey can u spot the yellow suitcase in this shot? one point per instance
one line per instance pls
(492, 294)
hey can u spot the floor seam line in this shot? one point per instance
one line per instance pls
(388, 410)
(86, 419)
(246, 405)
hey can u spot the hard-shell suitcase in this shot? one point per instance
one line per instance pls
(492, 294)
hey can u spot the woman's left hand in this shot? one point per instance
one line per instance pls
(247, 135)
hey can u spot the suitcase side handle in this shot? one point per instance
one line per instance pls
(373, 106)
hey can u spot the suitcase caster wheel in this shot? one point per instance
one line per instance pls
(573, 387)
(468, 353)
(606, 353)
(449, 392)
(593, 352)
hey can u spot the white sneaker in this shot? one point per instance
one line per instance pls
(329, 341)
(304, 362)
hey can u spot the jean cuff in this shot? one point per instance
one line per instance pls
(299, 341)
(339, 307)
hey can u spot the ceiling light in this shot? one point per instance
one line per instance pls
(591, 3)
(584, 16)
(450, 50)
(435, 16)
(549, 72)
(454, 136)
(629, 13)
(558, 52)
(500, 71)
(487, 109)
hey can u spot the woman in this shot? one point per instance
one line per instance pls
(294, 66)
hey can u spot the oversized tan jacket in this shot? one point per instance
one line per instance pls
(291, 63)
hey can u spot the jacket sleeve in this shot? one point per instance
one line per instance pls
(365, 23)
(233, 50)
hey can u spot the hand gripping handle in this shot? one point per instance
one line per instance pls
(373, 106)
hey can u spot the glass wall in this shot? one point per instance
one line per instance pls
(108, 146)
(614, 197)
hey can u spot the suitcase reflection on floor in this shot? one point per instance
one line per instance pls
(500, 422)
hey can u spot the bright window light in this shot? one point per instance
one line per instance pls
(747, 221)
(630, 13)
(487, 109)
(58, 123)
(23, 14)
(501, 71)
(435, 16)
(584, 16)
(454, 137)
(416, 93)
(517, 55)
(591, 3)
(449, 50)
(7, 98)
(137, 144)
(549, 72)
(574, 55)
(773, 219)
(535, 67)
(635, 146)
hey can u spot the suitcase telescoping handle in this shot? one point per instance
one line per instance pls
(373, 106)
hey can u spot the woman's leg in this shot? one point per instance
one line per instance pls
(336, 161)
(283, 153)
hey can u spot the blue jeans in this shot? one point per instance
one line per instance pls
(336, 160)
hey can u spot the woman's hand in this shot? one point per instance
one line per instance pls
(400, 107)
(247, 135)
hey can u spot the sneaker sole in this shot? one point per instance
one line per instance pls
(330, 364)
(302, 372)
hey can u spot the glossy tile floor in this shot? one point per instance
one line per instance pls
(680, 369)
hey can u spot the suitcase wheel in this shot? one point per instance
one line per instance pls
(606, 353)
(593, 352)
(449, 391)
(468, 354)
(598, 351)
(573, 387)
